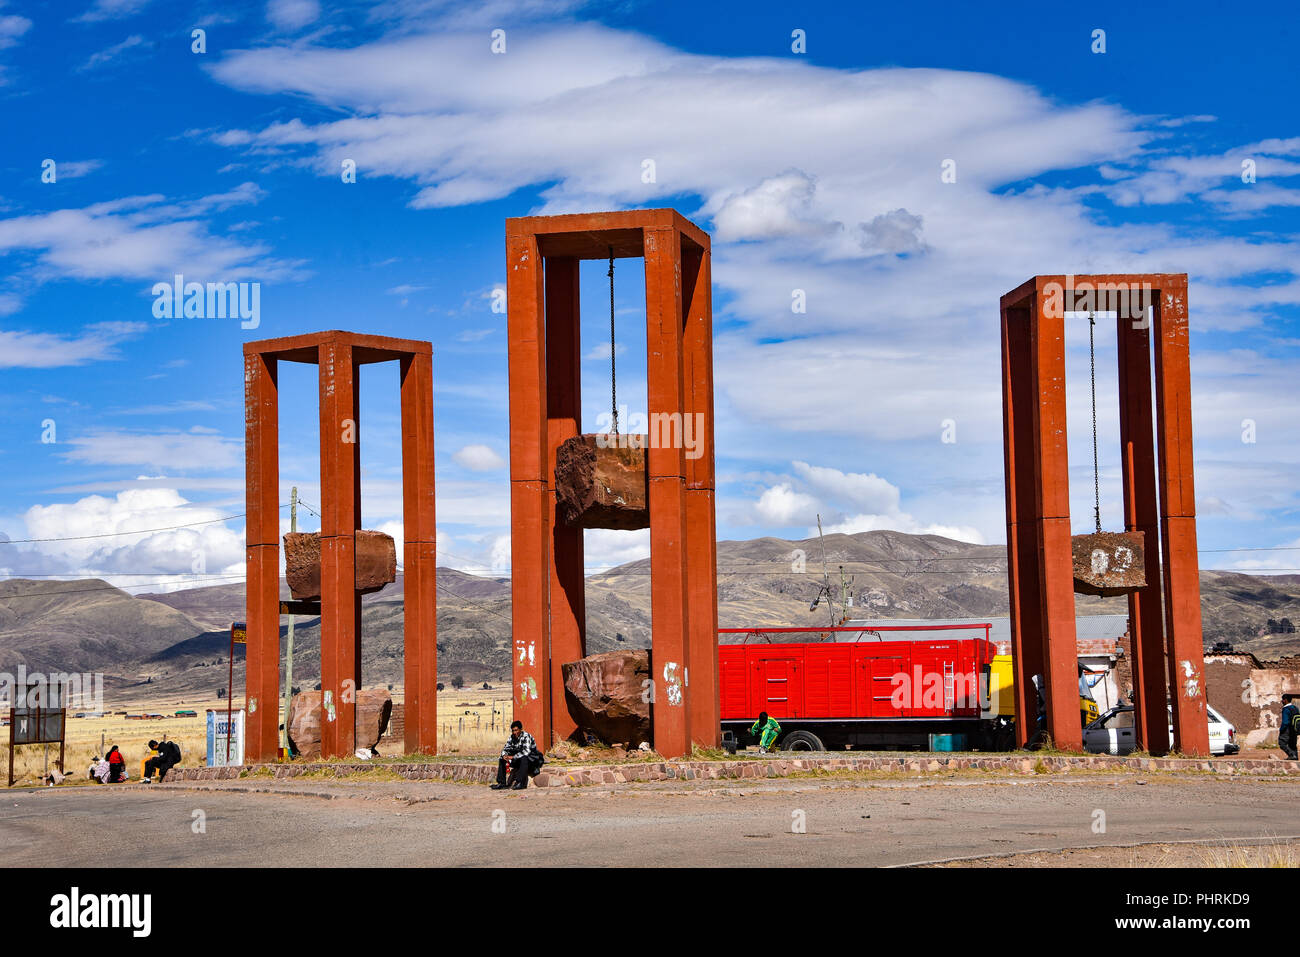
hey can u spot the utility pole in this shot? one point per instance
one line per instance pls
(826, 578)
(288, 656)
(846, 594)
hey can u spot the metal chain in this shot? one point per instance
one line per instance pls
(613, 378)
(1096, 475)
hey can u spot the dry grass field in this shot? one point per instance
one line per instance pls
(471, 722)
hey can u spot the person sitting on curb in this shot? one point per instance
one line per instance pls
(767, 731)
(521, 757)
(1286, 731)
(99, 770)
(116, 765)
(168, 756)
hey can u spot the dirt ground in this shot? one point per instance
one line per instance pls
(1271, 853)
(785, 822)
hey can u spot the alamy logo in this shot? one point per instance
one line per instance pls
(214, 300)
(37, 689)
(76, 910)
(659, 430)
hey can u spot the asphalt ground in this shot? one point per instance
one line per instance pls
(851, 821)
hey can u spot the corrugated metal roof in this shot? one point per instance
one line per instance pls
(1096, 634)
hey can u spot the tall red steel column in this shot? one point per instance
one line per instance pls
(704, 718)
(667, 490)
(530, 523)
(340, 482)
(420, 552)
(542, 256)
(1056, 564)
(1040, 568)
(262, 540)
(1022, 482)
(567, 606)
(1142, 514)
(1178, 520)
(339, 356)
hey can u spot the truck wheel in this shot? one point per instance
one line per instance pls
(802, 741)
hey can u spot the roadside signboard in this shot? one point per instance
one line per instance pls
(225, 738)
(35, 726)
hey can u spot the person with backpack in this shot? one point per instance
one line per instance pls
(766, 730)
(520, 760)
(169, 755)
(1289, 727)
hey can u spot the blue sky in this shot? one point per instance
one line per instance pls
(817, 171)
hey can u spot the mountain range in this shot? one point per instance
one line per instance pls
(177, 642)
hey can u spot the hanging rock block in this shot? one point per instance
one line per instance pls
(602, 481)
(1108, 563)
(376, 562)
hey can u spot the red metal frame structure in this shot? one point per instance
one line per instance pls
(339, 356)
(1156, 455)
(542, 258)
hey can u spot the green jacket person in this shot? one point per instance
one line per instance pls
(768, 729)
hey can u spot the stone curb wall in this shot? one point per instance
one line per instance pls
(768, 768)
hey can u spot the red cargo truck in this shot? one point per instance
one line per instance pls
(887, 687)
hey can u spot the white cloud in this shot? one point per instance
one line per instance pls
(141, 237)
(75, 169)
(896, 231)
(606, 547)
(479, 458)
(11, 28)
(848, 502)
(115, 51)
(499, 561)
(901, 523)
(781, 505)
(102, 10)
(164, 451)
(861, 490)
(778, 206)
(291, 15)
(47, 350)
(129, 557)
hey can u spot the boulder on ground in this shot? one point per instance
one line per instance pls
(376, 562)
(601, 484)
(374, 707)
(606, 694)
(1108, 563)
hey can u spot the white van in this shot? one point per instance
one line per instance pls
(1113, 733)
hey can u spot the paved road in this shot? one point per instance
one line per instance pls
(419, 823)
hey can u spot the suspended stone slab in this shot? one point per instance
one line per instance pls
(376, 562)
(1108, 563)
(602, 481)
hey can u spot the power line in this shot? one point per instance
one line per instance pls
(76, 591)
(471, 601)
(138, 531)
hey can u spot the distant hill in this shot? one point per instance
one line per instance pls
(179, 640)
(85, 625)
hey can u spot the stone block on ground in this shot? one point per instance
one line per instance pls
(605, 695)
(601, 485)
(374, 708)
(376, 562)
